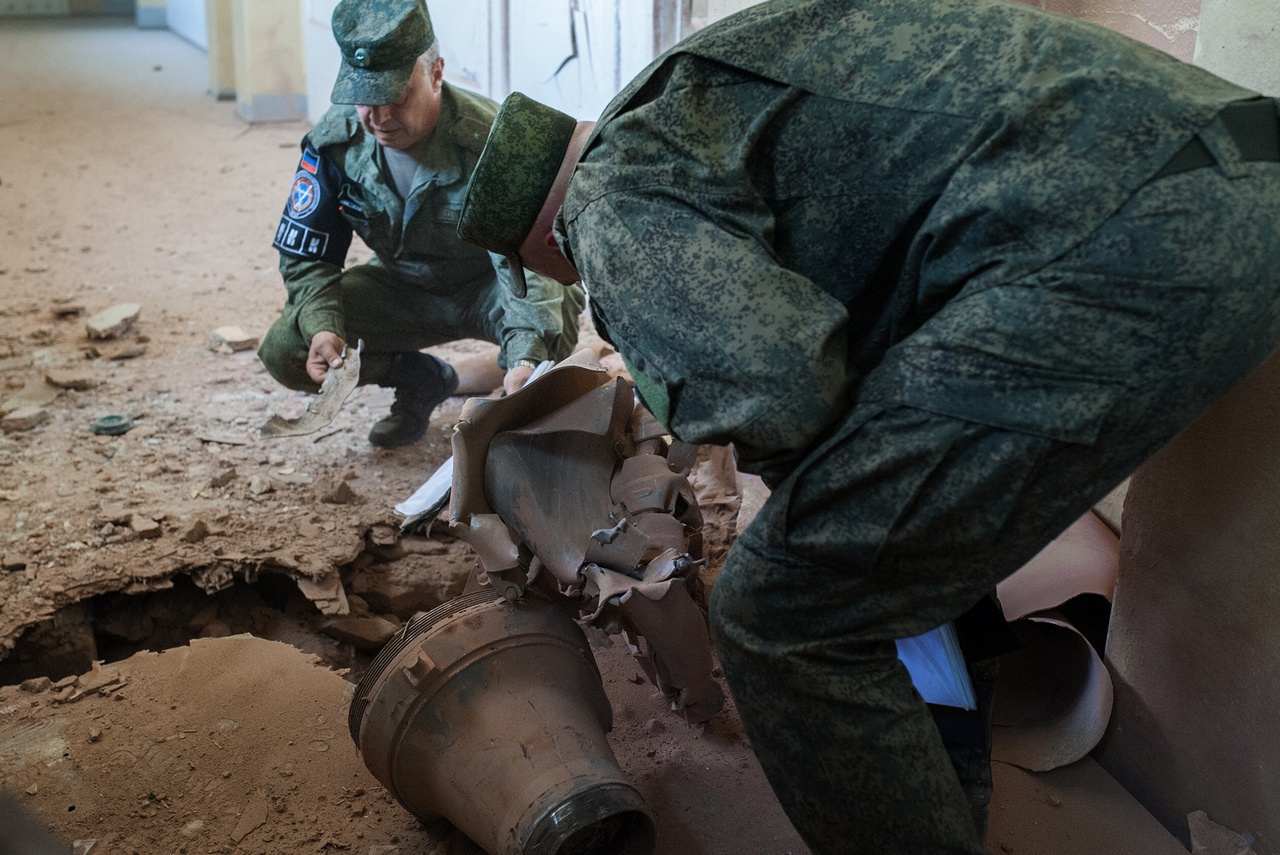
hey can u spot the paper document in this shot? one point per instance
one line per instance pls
(937, 668)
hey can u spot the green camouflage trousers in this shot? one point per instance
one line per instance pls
(977, 439)
(393, 316)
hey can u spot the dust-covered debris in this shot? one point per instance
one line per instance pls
(1210, 838)
(70, 378)
(36, 393)
(366, 632)
(23, 418)
(65, 308)
(196, 531)
(231, 339)
(80, 584)
(112, 322)
(336, 491)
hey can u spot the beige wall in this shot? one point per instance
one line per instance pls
(1195, 633)
(1169, 25)
(269, 71)
(222, 50)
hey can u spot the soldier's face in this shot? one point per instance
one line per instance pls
(411, 119)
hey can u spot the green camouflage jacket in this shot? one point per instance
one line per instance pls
(342, 186)
(784, 196)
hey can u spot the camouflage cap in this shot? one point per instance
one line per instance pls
(512, 178)
(380, 42)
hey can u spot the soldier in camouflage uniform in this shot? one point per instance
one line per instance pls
(393, 170)
(944, 272)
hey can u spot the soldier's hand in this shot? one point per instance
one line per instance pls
(516, 378)
(325, 353)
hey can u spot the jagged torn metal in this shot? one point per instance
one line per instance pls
(338, 385)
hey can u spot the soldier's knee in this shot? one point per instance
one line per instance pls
(284, 355)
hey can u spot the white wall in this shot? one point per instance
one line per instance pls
(574, 57)
(320, 53)
(1238, 41)
(472, 38)
(187, 18)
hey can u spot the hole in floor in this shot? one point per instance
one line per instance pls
(114, 626)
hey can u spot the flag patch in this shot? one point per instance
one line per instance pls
(310, 161)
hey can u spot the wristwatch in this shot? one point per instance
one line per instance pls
(528, 363)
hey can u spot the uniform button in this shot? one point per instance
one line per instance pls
(361, 57)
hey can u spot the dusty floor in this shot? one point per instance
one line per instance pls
(121, 180)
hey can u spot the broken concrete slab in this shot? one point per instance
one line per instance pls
(117, 351)
(198, 530)
(23, 418)
(36, 393)
(68, 378)
(12, 363)
(1210, 838)
(147, 529)
(368, 632)
(114, 514)
(252, 817)
(13, 561)
(232, 338)
(223, 437)
(336, 491)
(414, 583)
(65, 308)
(326, 593)
(113, 322)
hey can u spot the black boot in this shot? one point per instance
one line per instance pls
(421, 382)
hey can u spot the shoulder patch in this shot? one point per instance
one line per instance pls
(335, 126)
(470, 133)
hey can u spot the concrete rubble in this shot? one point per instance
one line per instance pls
(113, 322)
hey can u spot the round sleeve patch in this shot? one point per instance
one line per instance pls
(304, 196)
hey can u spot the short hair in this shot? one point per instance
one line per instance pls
(430, 55)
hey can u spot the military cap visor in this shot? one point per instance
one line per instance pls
(512, 178)
(370, 88)
(380, 41)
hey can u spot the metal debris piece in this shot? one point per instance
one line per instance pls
(338, 385)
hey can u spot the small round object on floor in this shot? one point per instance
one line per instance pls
(111, 425)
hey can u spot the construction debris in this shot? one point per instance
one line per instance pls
(231, 338)
(23, 418)
(113, 322)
